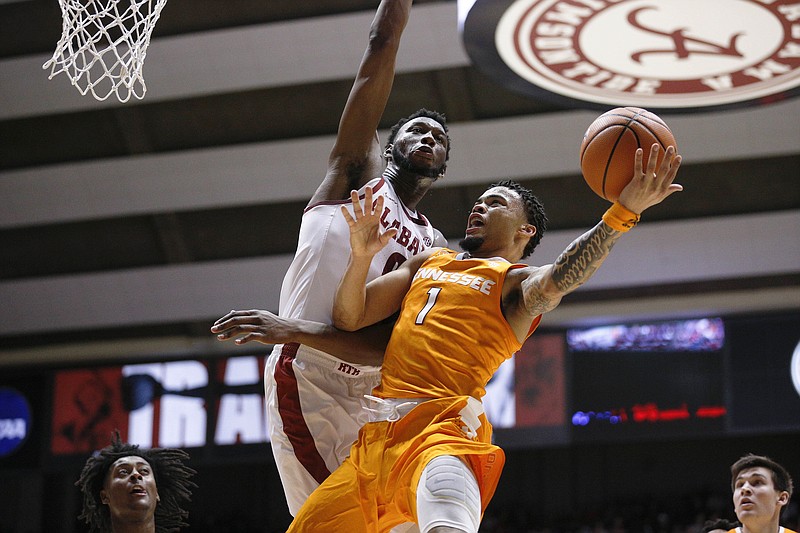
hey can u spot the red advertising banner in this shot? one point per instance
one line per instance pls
(87, 408)
(187, 404)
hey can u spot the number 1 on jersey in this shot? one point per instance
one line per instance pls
(433, 294)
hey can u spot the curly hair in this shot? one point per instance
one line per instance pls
(435, 115)
(713, 525)
(172, 480)
(534, 210)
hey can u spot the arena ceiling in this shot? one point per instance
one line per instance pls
(126, 229)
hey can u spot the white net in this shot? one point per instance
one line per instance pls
(103, 45)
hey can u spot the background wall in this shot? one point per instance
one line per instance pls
(126, 229)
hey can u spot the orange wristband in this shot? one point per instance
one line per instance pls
(620, 217)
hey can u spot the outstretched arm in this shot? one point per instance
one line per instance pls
(356, 156)
(364, 347)
(543, 287)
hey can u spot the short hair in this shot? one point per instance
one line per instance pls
(780, 476)
(721, 523)
(534, 212)
(172, 481)
(435, 115)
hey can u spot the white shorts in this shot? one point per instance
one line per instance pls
(315, 407)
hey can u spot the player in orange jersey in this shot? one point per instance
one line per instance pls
(313, 396)
(761, 489)
(426, 453)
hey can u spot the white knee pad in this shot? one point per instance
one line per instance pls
(448, 495)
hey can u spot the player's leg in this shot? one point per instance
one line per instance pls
(280, 392)
(448, 497)
(339, 505)
(333, 403)
(315, 409)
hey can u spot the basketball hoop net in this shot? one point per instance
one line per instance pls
(103, 45)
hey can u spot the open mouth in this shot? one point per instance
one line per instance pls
(424, 151)
(474, 222)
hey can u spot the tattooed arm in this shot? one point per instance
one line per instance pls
(540, 289)
(582, 258)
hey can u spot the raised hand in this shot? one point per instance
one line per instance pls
(366, 238)
(648, 187)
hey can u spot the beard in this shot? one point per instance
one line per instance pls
(405, 164)
(471, 244)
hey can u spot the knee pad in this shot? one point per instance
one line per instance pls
(448, 495)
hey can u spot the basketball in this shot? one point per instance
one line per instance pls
(609, 147)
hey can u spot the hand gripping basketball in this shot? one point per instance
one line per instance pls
(650, 185)
(610, 145)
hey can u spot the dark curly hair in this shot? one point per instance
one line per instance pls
(726, 525)
(435, 115)
(533, 209)
(172, 480)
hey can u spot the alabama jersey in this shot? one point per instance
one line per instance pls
(314, 400)
(309, 286)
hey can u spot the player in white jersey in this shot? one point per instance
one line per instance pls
(328, 389)
(307, 291)
(313, 397)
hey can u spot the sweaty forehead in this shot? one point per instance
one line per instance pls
(424, 121)
(129, 460)
(503, 192)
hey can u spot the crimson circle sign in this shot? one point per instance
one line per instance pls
(676, 55)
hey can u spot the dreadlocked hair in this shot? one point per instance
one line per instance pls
(534, 211)
(172, 480)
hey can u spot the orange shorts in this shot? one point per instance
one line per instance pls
(375, 488)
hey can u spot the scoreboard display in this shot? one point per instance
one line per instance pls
(648, 381)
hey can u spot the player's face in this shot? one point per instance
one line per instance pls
(755, 495)
(420, 147)
(130, 489)
(494, 219)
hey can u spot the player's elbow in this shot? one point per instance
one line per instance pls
(347, 326)
(345, 321)
(382, 40)
(541, 294)
(387, 29)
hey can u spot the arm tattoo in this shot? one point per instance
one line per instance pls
(582, 258)
(536, 302)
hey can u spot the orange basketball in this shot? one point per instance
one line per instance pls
(609, 147)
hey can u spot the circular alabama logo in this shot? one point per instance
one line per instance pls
(676, 55)
(15, 420)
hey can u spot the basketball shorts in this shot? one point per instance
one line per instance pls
(315, 408)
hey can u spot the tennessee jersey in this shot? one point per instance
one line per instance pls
(448, 341)
(781, 529)
(451, 335)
